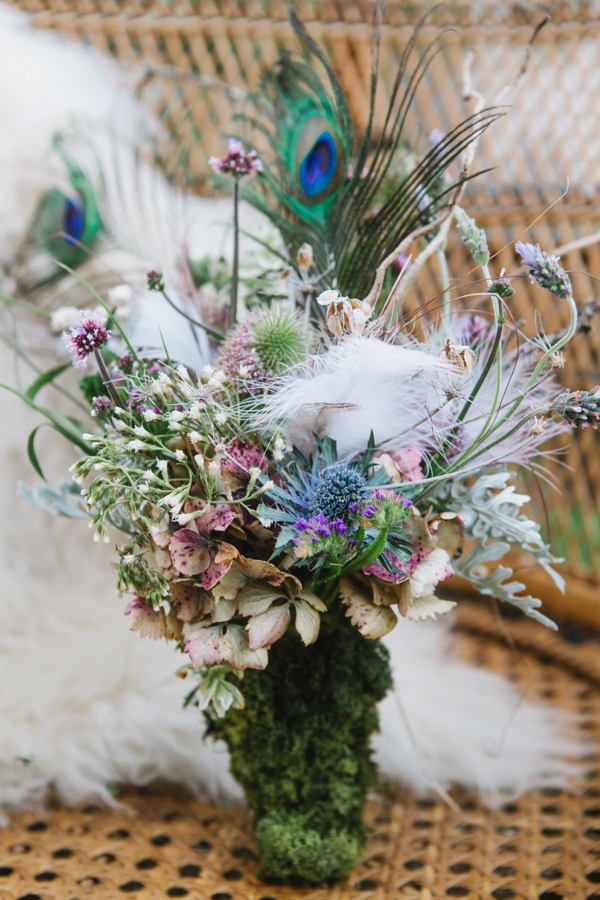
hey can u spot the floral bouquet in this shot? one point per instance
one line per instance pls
(328, 468)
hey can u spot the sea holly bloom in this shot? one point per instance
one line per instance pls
(236, 161)
(195, 552)
(87, 335)
(544, 269)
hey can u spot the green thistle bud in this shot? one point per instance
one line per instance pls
(279, 341)
(473, 236)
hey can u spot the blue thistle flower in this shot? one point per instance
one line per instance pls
(335, 491)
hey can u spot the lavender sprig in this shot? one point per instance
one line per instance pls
(545, 270)
(579, 407)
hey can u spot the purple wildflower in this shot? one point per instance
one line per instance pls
(125, 363)
(86, 336)
(353, 507)
(302, 525)
(155, 281)
(339, 526)
(544, 269)
(101, 406)
(236, 161)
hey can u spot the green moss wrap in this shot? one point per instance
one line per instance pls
(300, 749)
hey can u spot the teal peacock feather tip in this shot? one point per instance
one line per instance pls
(318, 187)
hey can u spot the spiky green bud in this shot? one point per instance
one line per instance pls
(279, 341)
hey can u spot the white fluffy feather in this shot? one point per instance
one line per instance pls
(447, 722)
(361, 385)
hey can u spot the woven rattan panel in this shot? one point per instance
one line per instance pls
(550, 136)
(543, 846)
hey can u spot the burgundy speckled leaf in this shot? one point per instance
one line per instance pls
(189, 552)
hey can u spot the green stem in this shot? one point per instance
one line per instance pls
(212, 331)
(114, 394)
(236, 244)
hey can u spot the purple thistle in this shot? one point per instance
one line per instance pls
(236, 161)
(544, 269)
(86, 336)
(237, 350)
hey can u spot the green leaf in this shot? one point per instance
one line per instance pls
(44, 379)
(369, 554)
(31, 452)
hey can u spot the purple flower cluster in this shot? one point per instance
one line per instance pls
(321, 527)
(236, 161)
(86, 336)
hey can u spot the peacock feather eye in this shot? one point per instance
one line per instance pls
(320, 160)
(73, 219)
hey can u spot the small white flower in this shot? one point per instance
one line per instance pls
(120, 425)
(266, 523)
(141, 431)
(99, 467)
(144, 487)
(163, 465)
(268, 485)
(254, 472)
(149, 475)
(195, 411)
(327, 297)
(278, 448)
(182, 372)
(214, 468)
(96, 537)
(243, 370)
(184, 518)
(129, 558)
(220, 448)
(135, 445)
(217, 378)
(180, 455)
(220, 418)
(176, 415)
(199, 460)
(149, 415)
(195, 437)
(207, 371)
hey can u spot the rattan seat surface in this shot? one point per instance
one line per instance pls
(163, 843)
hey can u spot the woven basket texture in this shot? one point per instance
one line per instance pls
(184, 51)
(543, 846)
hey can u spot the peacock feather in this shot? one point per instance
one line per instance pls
(322, 186)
